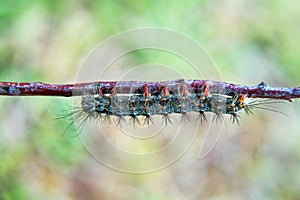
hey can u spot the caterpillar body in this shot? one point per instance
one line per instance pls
(173, 98)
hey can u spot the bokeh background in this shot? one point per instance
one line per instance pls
(248, 40)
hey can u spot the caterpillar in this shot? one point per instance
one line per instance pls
(176, 97)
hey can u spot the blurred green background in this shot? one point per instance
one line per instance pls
(248, 40)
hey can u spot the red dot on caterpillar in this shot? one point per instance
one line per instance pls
(114, 92)
(165, 91)
(146, 91)
(206, 90)
(184, 89)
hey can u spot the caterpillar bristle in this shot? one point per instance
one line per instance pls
(202, 117)
(120, 121)
(134, 120)
(235, 118)
(166, 119)
(263, 104)
(185, 117)
(147, 120)
(218, 118)
(248, 110)
(106, 119)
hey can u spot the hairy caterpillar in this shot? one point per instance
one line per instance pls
(177, 97)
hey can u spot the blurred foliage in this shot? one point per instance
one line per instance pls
(249, 41)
